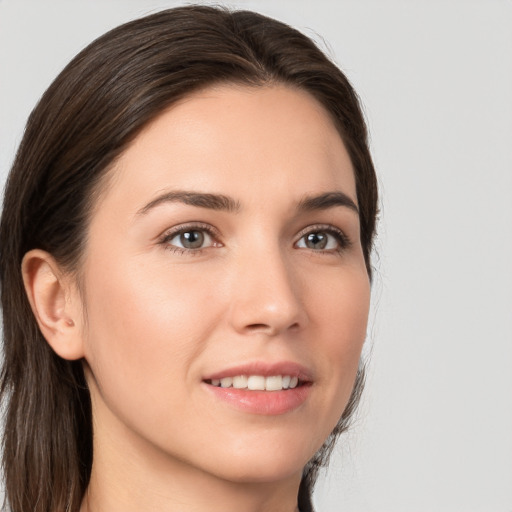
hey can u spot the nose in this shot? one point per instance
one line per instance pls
(266, 295)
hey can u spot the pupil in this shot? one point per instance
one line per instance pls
(316, 240)
(192, 239)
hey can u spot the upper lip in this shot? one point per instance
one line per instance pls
(265, 369)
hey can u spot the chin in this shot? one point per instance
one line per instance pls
(269, 460)
(254, 472)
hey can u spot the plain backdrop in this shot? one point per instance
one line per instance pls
(434, 432)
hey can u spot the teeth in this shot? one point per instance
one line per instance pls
(226, 382)
(240, 382)
(258, 382)
(274, 383)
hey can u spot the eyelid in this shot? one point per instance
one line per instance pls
(344, 241)
(170, 233)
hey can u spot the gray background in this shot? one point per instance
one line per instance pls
(434, 431)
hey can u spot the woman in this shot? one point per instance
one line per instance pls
(185, 266)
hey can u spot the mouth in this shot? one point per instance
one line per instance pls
(258, 382)
(267, 389)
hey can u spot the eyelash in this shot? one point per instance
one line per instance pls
(343, 241)
(204, 228)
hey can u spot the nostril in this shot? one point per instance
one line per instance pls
(268, 329)
(258, 327)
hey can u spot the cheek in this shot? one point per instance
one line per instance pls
(339, 304)
(143, 328)
(341, 314)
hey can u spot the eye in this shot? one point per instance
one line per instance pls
(192, 239)
(189, 238)
(323, 239)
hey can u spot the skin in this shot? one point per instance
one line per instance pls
(152, 319)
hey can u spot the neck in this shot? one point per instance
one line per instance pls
(192, 492)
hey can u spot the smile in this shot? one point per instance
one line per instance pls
(257, 382)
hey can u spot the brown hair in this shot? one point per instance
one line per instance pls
(83, 122)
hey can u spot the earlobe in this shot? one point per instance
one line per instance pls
(55, 303)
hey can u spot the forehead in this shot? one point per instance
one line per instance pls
(236, 140)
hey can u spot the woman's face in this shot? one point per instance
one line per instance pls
(225, 247)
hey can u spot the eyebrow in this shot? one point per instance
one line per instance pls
(202, 200)
(327, 200)
(225, 203)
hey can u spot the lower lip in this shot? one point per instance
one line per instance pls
(268, 403)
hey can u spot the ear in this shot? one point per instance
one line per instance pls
(55, 302)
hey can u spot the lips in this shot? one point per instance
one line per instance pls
(262, 388)
(257, 382)
(264, 369)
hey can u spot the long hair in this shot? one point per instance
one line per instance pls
(87, 117)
